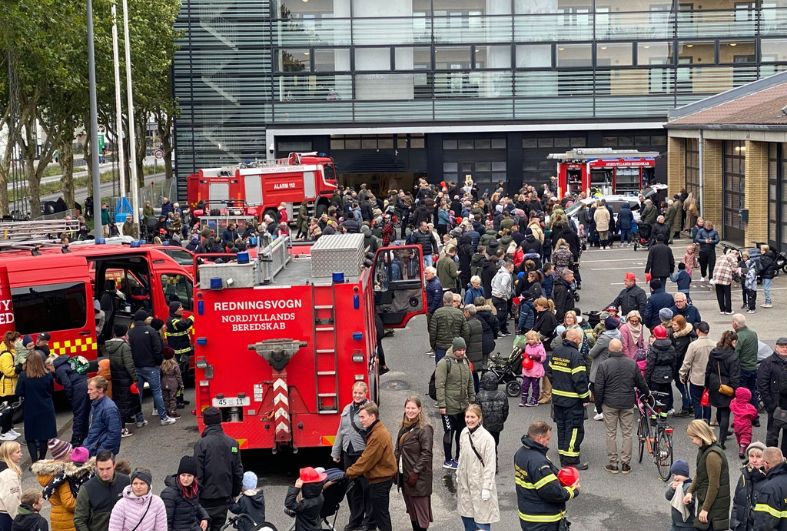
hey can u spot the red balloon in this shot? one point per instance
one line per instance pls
(134, 389)
(527, 363)
(568, 476)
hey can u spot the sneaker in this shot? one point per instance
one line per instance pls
(125, 433)
(532, 404)
(729, 313)
(166, 421)
(15, 434)
(450, 464)
(625, 469)
(503, 334)
(703, 279)
(581, 466)
(766, 305)
(722, 313)
(671, 412)
(142, 424)
(430, 353)
(598, 416)
(752, 311)
(612, 469)
(174, 415)
(523, 404)
(454, 464)
(7, 437)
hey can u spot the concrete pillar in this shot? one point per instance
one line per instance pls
(676, 165)
(756, 181)
(712, 164)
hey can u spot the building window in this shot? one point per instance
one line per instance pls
(734, 189)
(368, 59)
(574, 55)
(692, 167)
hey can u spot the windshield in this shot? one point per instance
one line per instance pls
(329, 173)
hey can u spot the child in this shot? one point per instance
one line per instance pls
(104, 370)
(549, 280)
(690, 258)
(534, 350)
(749, 281)
(682, 278)
(744, 414)
(27, 517)
(682, 515)
(748, 488)
(251, 503)
(304, 500)
(171, 381)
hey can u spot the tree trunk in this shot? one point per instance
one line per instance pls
(67, 166)
(164, 125)
(5, 173)
(29, 165)
(141, 148)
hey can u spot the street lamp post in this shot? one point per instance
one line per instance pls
(132, 136)
(91, 61)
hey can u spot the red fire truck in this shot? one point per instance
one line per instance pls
(280, 340)
(611, 171)
(258, 189)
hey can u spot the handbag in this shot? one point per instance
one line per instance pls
(705, 400)
(724, 389)
(780, 415)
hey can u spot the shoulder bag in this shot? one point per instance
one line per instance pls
(143, 514)
(472, 445)
(724, 389)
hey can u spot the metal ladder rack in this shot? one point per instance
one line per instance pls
(36, 230)
(326, 357)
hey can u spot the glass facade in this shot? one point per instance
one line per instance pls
(692, 167)
(777, 187)
(247, 64)
(734, 186)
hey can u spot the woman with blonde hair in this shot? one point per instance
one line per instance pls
(414, 457)
(10, 483)
(545, 325)
(8, 379)
(476, 491)
(711, 483)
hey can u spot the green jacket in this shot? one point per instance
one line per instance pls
(447, 272)
(454, 386)
(486, 238)
(719, 508)
(447, 323)
(475, 343)
(746, 348)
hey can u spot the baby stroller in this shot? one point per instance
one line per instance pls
(333, 491)
(508, 371)
(642, 236)
(235, 521)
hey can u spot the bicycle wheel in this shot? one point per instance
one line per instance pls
(662, 454)
(642, 434)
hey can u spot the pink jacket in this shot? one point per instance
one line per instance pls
(629, 345)
(539, 355)
(743, 411)
(129, 511)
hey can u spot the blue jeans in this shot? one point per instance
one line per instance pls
(428, 260)
(766, 287)
(151, 375)
(700, 412)
(471, 525)
(439, 353)
(684, 395)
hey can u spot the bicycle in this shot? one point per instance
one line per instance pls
(654, 433)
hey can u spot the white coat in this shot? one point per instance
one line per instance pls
(472, 477)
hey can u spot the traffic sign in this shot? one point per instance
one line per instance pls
(159, 154)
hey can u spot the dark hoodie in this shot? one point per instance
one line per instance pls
(661, 362)
(494, 403)
(252, 504)
(27, 519)
(723, 368)
(307, 509)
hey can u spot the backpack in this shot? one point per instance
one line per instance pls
(79, 364)
(662, 372)
(432, 387)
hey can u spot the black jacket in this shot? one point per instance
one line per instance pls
(661, 363)
(182, 514)
(660, 263)
(545, 324)
(768, 377)
(615, 381)
(490, 326)
(768, 265)
(563, 296)
(494, 403)
(722, 362)
(633, 298)
(772, 498)
(425, 240)
(95, 502)
(219, 468)
(307, 509)
(539, 494)
(747, 493)
(658, 299)
(252, 504)
(568, 373)
(145, 345)
(29, 520)
(660, 229)
(121, 366)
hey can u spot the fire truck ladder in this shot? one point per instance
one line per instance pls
(36, 231)
(326, 357)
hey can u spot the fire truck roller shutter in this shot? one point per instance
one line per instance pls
(253, 189)
(309, 190)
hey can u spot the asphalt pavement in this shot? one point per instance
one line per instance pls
(606, 502)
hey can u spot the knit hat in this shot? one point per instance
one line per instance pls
(59, 449)
(174, 306)
(665, 314)
(458, 343)
(140, 315)
(80, 455)
(167, 353)
(249, 480)
(142, 474)
(756, 445)
(681, 468)
(188, 465)
(27, 340)
(211, 416)
(611, 323)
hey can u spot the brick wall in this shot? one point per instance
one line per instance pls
(757, 191)
(712, 160)
(676, 165)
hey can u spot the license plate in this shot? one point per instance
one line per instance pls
(232, 401)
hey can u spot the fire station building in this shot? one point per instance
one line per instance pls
(730, 150)
(399, 89)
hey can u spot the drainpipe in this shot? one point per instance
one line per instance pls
(702, 177)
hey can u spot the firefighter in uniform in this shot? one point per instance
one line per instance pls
(568, 374)
(770, 511)
(541, 498)
(178, 339)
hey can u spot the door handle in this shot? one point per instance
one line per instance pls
(85, 333)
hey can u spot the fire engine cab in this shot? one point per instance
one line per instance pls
(259, 188)
(608, 171)
(280, 340)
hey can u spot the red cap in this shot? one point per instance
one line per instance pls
(631, 276)
(612, 309)
(660, 332)
(568, 476)
(310, 475)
